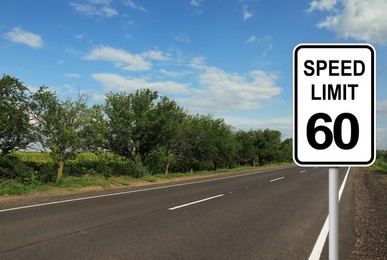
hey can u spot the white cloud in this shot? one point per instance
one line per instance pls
(108, 11)
(322, 5)
(135, 6)
(251, 39)
(195, 3)
(121, 58)
(265, 38)
(100, 2)
(246, 13)
(71, 75)
(114, 82)
(223, 92)
(381, 108)
(216, 90)
(356, 19)
(18, 35)
(282, 124)
(126, 60)
(99, 8)
(199, 63)
(174, 74)
(381, 138)
(155, 55)
(269, 47)
(96, 96)
(184, 38)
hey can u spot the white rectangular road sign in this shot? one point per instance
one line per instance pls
(334, 104)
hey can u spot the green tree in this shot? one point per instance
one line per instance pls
(287, 150)
(15, 128)
(145, 128)
(95, 130)
(225, 143)
(246, 151)
(267, 144)
(197, 147)
(168, 119)
(206, 144)
(132, 130)
(58, 124)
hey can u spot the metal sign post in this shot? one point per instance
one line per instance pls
(334, 213)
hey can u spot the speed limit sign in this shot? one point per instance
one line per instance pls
(334, 104)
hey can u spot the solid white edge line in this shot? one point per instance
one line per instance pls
(196, 202)
(280, 178)
(318, 247)
(135, 191)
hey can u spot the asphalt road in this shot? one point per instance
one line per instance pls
(276, 214)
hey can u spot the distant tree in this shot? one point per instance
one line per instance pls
(246, 151)
(15, 128)
(133, 131)
(197, 147)
(95, 130)
(58, 124)
(225, 143)
(287, 150)
(206, 144)
(145, 128)
(168, 119)
(268, 145)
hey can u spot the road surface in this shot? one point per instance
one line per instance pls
(274, 214)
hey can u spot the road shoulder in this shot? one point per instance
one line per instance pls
(90, 191)
(371, 214)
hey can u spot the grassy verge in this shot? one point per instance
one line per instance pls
(380, 165)
(12, 187)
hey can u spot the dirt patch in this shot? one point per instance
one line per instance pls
(371, 214)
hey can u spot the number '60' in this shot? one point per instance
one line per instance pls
(337, 131)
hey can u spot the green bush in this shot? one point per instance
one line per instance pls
(381, 165)
(13, 168)
(30, 166)
(381, 155)
(36, 166)
(102, 164)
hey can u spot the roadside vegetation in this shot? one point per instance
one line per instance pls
(381, 161)
(48, 143)
(10, 187)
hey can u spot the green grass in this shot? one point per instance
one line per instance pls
(13, 187)
(380, 165)
(10, 187)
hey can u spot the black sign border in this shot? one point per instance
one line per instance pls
(295, 103)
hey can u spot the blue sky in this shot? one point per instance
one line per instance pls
(229, 58)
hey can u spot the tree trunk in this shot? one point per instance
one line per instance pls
(60, 170)
(166, 168)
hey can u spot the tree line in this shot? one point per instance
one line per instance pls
(149, 130)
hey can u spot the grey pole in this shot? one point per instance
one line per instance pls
(333, 213)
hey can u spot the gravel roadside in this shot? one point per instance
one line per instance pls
(371, 214)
